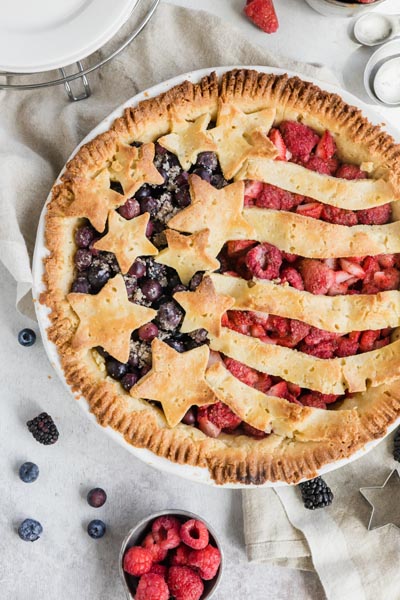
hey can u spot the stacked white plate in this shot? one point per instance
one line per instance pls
(41, 35)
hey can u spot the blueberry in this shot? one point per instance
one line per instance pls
(151, 289)
(218, 181)
(143, 192)
(84, 236)
(150, 205)
(195, 281)
(80, 286)
(130, 209)
(208, 160)
(28, 472)
(177, 345)
(83, 259)
(169, 316)
(115, 369)
(138, 269)
(160, 149)
(27, 337)
(163, 174)
(96, 497)
(30, 530)
(182, 196)
(203, 173)
(98, 276)
(96, 529)
(130, 284)
(129, 380)
(179, 288)
(190, 417)
(148, 332)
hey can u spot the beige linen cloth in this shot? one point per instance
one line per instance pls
(38, 131)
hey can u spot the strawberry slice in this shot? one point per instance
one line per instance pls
(262, 13)
(326, 147)
(276, 138)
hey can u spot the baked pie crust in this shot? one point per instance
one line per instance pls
(231, 117)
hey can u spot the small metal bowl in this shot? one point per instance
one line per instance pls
(335, 8)
(136, 535)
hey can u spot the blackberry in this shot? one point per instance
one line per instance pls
(315, 493)
(396, 445)
(43, 429)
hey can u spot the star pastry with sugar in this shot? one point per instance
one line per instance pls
(220, 211)
(187, 139)
(133, 167)
(93, 198)
(204, 308)
(108, 318)
(176, 380)
(239, 136)
(187, 254)
(126, 239)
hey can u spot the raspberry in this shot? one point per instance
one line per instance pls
(294, 388)
(388, 279)
(326, 147)
(257, 331)
(375, 216)
(346, 347)
(386, 260)
(184, 583)
(280, 325)
(346, 171)
(264, 261)
(237, 248)
(317, 277)
(310, 209)
(152, 587)
(137, 561)
(325, 167)
(207, 561)
(263, 383)
(262, 13)
(367, 340)
(321, 350)
(290, 258)
(166, 532)
(292, 277)
(180, 556)
(339, 216)
(159, 570)
(220, 415)
(194, 534)
(370, 266)
(280, 390)
(276, 138)
(274, 197)
(242, 372)
(239, 321)
(316, 336)
(380, 343)
(252, 188)
(253, 432)
(312, 400)
(299, 139)
(298, 330)
(157, 552)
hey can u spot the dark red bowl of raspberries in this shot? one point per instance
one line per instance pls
(172, 554)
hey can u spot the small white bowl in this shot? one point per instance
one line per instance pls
(137, 533)
(386, 52)
(336, 8)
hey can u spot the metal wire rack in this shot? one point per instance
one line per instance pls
(140, 16)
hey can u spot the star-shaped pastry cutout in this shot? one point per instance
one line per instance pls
(239, 136)
(133, 167)
(204, 308)
(187, 254)
(385, 502)
(187, 139)
(177, 380)
(126, 239)
(107, 319)
(93, 198)
(220, 211)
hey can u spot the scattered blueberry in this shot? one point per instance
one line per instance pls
(30, 530)
(96, 529)
(96, 497)
(28, 472)
(27, 337)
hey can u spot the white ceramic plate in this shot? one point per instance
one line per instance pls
(193, 473)
(40, 35)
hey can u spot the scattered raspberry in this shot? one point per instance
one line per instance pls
(220, 415)
(137, 561)
(264, 261)
(346, 171)
(299, 139)
(375, 216)
(244, 373)
(194, 534)
(262, 13)
(326, 147)
(157, 552)
(161, 570)
(165, 530)
(276, 138)
(292, 277)
(207, 561)
(310, 209)
(253, 432)
(152, 587)
(317, 277)
(339, 216)
(325, 167)
(184, 583)
(180, 556)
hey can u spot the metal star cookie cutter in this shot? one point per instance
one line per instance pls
(385, 502)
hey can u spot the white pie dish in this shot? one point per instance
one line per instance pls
(193, 473)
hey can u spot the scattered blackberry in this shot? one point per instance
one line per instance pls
(30, 530)
(43, 429)
(96, 529)
(28, 472)
(27, 337)
(396, 445)
(315, 493)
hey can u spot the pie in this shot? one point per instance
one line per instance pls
(223, 277)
